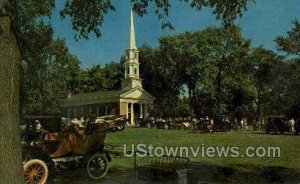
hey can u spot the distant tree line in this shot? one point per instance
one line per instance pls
(208, 72)
(217, 71)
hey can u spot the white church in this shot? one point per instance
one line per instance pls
(131, 100)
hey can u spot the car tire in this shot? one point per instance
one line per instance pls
(97, 166)
(35, 171)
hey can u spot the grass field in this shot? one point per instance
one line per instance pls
(286, 168)
(289, 145)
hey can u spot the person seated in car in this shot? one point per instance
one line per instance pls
(77, 122)
(38, 126)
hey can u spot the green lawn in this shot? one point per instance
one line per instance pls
(285, 169)
(289, 145)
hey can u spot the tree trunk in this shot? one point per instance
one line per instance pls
(218, 84)
(258, 102)
(191, 102)
(11, 169)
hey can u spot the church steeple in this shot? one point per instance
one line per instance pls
(132, 74)
(131, 33)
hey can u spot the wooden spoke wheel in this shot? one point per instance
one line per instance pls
(35, 172)
(97, 166)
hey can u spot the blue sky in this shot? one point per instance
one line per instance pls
(263, 21)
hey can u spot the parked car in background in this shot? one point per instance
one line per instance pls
(277, 124)
(161, 123)
(203, 125)
(222, 123)
(147, 123)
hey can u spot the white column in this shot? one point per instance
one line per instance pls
(131, 114)
(126, 110)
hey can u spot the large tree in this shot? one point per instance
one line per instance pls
(185, 60)
(262, 64)
(159, 79)
(19, 20)
(207, 63)
(47, 79)
(10, 149)
(290, 45)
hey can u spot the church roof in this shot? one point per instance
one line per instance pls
(94, 97)
(105, 97)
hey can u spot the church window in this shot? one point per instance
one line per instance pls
(128, 55)
(135, 70)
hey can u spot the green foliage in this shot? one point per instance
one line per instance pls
(207, 63)
(224, 10)
(47, 79)
(86, 16)
(113, 74)
(286, 88)
(291, 43)
(221, 73)
(159, 79)
(96, 80)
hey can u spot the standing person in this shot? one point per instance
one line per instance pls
(292, 125)
(259, 124)
(242, 124)
(246, 125)
(211, 121)
(236, 124)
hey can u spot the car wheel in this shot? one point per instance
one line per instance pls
(35, 171)
(97, 166)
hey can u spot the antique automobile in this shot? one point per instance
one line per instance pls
(162, 123)
(179, 123)
(50, 145)
(277, 124)
(148, 122)
(203, 125)
(118, 120)
(222, 124)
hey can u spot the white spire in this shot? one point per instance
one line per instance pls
(132, 74)
(131, 32)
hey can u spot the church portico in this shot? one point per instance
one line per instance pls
(134, 108)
